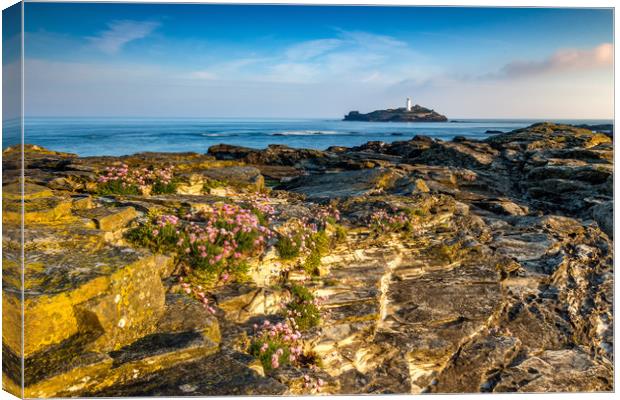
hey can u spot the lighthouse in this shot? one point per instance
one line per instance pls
(408, 103)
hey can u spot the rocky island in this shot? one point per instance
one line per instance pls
(418, 266)
(408, 113)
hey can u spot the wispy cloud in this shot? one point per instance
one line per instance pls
(561, 61)
(312, 48)
(350, 56)
(121, 32)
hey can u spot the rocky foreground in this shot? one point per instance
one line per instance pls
(416, 266)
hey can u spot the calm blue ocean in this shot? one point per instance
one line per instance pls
(119, 136)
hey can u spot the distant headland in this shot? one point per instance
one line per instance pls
(408, 113)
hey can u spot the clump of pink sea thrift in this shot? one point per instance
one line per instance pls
(302, 309)
(295, 240)
(214, 242)
(260, 205)
(125, 180)
(382, 221)
(280, 344)
(276, 345)
(327, 214)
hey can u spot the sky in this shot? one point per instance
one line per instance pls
(184, 60)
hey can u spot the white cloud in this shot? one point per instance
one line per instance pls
(120, 33)
(562, 61)
(569, 84)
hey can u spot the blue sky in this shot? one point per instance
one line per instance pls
(322, 61)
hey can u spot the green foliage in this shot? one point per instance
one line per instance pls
(265, 356)
(218, 246)
(142, 235)
(289, 246)
(320, 242)
(340, 234)
(301, 293)
(382, 221)
(127, 180)
(160, 187)
(319, 246)
(312, 262)
(302, 308)
(117, 187)
(276, 345)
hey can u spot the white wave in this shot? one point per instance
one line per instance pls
(217, 134)
(306, 133)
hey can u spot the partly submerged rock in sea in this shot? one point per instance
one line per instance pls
(416, 114)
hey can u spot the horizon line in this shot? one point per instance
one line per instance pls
(298, 118)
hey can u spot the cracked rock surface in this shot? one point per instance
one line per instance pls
(503, 281)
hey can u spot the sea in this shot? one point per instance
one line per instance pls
(121, 136)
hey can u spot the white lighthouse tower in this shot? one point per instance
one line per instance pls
(408, 103)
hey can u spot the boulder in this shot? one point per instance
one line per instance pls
(109, 219)
(342, 184)
(185, 332)
(236, 176)
(272, 155)
(471, 155)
